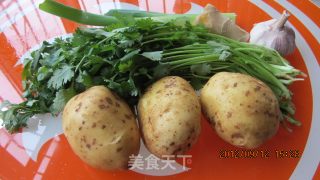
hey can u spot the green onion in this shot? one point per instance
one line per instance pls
(76, 15)
(110, 17)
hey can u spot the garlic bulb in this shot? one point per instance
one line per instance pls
(274, 34)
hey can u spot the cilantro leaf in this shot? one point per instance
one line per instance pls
(201, 69)
(161, 71)
(85, 79)
(196, 83)
(96, 32)
(30, 103)
(125, 66)
(154, 56)
(146, 24)
(52, 58)
(61, 99)
(17, 115)
(130, 55)
(36, 56)
(129, 86)
(4, 104)
(61, 77)
(43, 73)
(224, 55)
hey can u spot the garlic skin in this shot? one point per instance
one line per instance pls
(274, 34)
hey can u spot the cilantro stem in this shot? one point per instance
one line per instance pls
(155, 40)
(80, 63)
(186, 52)
(201, 77)
(195, 59)
(166, 34)
(181, 56)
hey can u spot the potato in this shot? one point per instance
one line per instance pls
(169, 116)
(101, 129)
(243, 110)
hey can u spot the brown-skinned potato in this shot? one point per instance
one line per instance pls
(169, 116)
(101, 129)
(243, 110)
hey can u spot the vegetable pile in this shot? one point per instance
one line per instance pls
(129, 54)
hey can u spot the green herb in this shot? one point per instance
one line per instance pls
(60, 77)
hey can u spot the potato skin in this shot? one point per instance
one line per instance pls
(101, 129)
(169, 116)
(243, 110)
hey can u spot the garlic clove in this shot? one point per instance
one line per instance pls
(260, 31)
(274, 34)
(284, 43)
